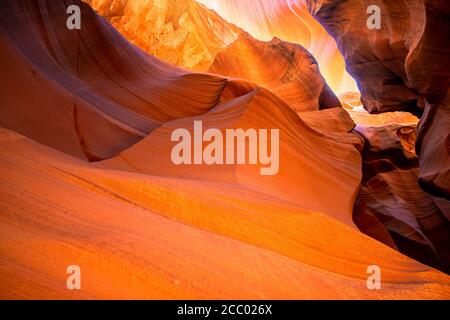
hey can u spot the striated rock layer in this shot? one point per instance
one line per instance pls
(183, 33)
(89, 93)
(292, 74)
(290, 21)
(402, 66)
(391, 206)
(140, 226)
(148, 237)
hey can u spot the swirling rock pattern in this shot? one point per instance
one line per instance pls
(140, 226)
(402, 66)
(96, 93)
(290, 21)
(293, 73)
(391, 200)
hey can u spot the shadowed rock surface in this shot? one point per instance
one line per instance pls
(391, 207)
(402, 66)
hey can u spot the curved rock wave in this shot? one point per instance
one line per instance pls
(88, 92)
(391, 207)
(140, 226)
(182, 33)
(293, 73)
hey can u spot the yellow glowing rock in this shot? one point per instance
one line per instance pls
(290, 21)
(183, 33)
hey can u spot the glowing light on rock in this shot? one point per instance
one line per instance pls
(288, 20)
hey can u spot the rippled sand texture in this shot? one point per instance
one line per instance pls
(142, 227)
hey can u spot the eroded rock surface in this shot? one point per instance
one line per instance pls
(286, 69)
(184, 33)
(391, 206)
(401, 67)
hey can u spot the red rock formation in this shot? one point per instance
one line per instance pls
(334, 123)
(187, 34)
(140, 226)
(183, 33)
(390, 198)
(152, 237)
(352, 104)
(302, 150)
(402, 66)
(292, 74)
(290, 21)
(89, 93)
(433, 146)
